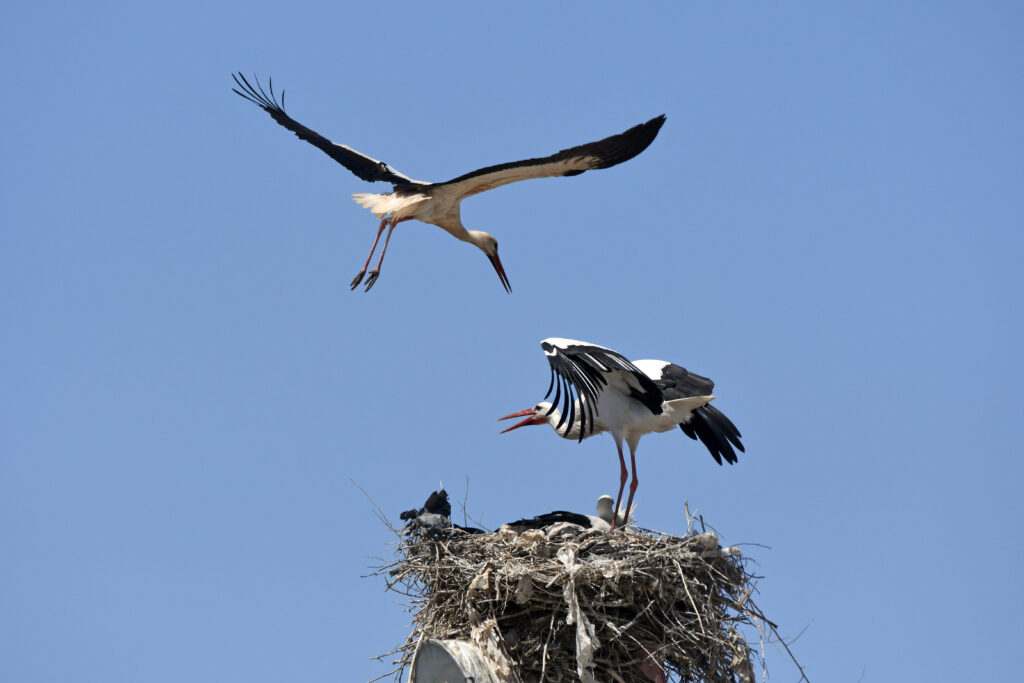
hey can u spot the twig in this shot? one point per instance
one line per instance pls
(693, 603)
(544, 654)
(380, 513)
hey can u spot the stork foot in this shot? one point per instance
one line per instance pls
(357, 279)
(374, 274)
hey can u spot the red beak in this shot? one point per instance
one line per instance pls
(533, 419)
(500, 270)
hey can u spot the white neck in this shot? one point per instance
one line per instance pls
(477, 238)
(572, 431)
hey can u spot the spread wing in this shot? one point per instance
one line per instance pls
(707, 423)
(364, 167)
(581, 371)
(676, 381)
(573, 161)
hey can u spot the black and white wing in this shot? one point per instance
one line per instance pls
(573, 161)
(707, 423)
(716, 432)
(549, 519)
(366, 168)
(582, 370)
(675, 381)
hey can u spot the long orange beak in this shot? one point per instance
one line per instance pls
(500, 270)
(533, 419)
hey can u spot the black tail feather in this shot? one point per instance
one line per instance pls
(715, 431)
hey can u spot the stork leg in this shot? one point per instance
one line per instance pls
(622, 484)
(632, 485)
(375, 273)
(359, 277)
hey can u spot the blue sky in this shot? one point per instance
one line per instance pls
(829, 226)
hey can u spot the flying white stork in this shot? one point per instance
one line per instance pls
(438, 203)
(599, 390)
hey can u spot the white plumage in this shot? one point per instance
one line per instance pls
(438, 203)
(601, 390)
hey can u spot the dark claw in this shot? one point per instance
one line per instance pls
(357, 279)
(374, 274)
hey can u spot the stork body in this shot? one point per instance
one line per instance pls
(434, 516)
(604, 520)
(599, 390)
(438, 203)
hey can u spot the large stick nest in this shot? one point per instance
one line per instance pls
(573, 604)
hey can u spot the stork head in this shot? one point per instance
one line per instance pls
(534, 416)
(487, 244)
(604, 511)
(545, 413)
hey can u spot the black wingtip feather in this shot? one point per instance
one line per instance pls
(558, 393)
(256, 94)
(716, 432)
(625, 146)
(265, 97)
(364, 167)
(572, 414)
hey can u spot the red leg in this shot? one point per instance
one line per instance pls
(622, 484)
(632, 487)
(375, 273)
(359, 277)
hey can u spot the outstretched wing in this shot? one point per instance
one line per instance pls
(675, 381)
(365, 167)
(573, 161)
(707, 423)
(581, 371)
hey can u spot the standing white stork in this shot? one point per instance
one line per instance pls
(601, 391)
(438, 203)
